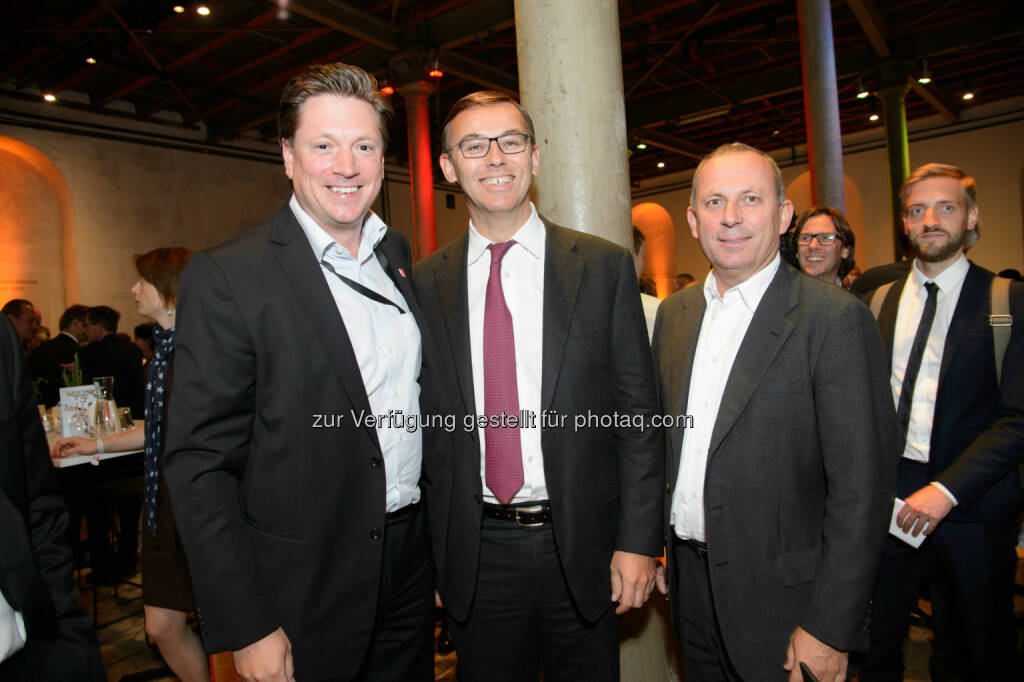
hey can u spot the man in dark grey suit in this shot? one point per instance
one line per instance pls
(299, 511)
(782, 486)
(538, 524)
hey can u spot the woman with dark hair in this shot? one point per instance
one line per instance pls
(166, 584)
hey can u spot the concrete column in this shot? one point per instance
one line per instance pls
(895, 116)
(821, 103)
(421, 177)
(570, 80)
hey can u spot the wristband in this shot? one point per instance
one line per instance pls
(99, 446)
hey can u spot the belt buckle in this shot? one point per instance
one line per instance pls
(535, 509)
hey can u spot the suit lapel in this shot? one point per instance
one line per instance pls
(972, 295)
(887, 316)
(770, 327)
(453, 300)
(563, 271)
(681, 348)
(303, 273)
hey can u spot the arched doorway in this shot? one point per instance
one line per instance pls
(660, 241)
(38, 252)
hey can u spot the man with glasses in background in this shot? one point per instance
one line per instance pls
(824, 244)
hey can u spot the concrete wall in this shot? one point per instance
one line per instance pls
(993, 155)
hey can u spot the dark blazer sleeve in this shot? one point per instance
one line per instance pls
(35, 559)
(210, 421)
(641, 456)
(997, 450)
(858, 455)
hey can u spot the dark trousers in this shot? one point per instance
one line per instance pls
(970, 569)
(402, 644)
(700, 637)
(523, 616)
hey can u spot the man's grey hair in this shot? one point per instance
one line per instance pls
(735, 148)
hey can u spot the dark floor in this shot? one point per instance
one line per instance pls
(128, 657)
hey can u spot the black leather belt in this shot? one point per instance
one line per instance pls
(525, 516)
(701, 548)
(399, 513)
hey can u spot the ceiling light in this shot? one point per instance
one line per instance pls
(776, 132)
(178, 9)
(862, 92)
(50, 97)
(387, 90)
(661, 164)
(90, 60)
(968, 96)
(435, 73)
(702, 115)
(641, 144)
(926, 77)
(202, 10)
(874, 116)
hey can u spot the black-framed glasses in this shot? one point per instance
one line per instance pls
(824, 238)
(476, 147)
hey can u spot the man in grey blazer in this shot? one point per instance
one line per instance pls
(781, 489)
(538, 527)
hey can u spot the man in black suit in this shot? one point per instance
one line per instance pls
(540, 515)
(107, 355)
(47, 362)
(298, 509)
(780, 492)
(44, 635)
(961, 438)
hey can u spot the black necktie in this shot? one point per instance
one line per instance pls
(914, 364)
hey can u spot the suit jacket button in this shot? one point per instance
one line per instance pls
(375, 534)
(375, 462)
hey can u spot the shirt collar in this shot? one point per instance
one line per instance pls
(750, 290)
(947, 280)
(324, 245)
(70, 336)
(530, 236)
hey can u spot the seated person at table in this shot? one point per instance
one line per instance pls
(110, 356)
(166, 583)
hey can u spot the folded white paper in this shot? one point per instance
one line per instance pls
(899, 533)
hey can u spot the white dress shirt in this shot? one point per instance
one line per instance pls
(725, 323)
(522, 282)
(12, 630)
(908, 317)
(387, 346)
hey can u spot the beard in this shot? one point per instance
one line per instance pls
(936, 253)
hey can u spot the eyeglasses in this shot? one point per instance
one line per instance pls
(824, 238)
(476, 147)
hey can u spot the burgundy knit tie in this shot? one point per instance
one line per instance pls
(504, 466)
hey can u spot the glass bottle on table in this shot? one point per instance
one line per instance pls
(106, 422)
